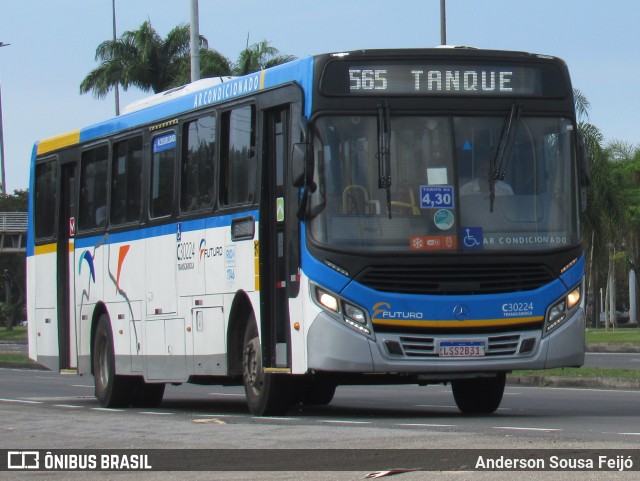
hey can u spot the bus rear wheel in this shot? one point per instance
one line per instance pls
(112, 390)
(479, 395)
(267, 394)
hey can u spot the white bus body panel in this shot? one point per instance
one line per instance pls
(43, 318)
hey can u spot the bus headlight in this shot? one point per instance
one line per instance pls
(352, 315)
(327, 300)
(562, 309)
(355, 314)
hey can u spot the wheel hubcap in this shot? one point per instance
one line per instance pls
(252, 365)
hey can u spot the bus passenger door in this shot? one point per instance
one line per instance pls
(274, 278)
(65, 262)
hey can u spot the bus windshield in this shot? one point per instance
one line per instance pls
(446, 183)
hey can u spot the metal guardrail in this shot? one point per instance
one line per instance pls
(13, 222)
(13, 232)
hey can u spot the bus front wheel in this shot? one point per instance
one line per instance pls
(111, 389)
(479, 395)
(267, 394)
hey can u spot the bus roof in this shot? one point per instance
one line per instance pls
(192, 96)
(211, 91)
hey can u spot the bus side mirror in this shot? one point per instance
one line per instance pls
(299, 159)
(302, 158)
(302, 174)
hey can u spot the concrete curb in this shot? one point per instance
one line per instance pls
(23, 365)
(584, 382)
(617, 348)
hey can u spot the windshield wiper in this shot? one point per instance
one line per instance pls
(498, 164)
(384, 151)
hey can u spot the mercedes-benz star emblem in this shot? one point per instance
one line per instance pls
(461, 312)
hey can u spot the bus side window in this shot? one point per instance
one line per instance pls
(198, 161)
(93, 188)
(238, 161)
(45, 199)
(126, 174)
(162, 175)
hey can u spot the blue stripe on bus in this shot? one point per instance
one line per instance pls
(431, 307)
(32, 189)
(300, 71)
(163, 230)
(319, 272)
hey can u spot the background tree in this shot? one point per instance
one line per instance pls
(625, 166)
(605, 212)
(12, 268)
(141, 58)
(259, 56)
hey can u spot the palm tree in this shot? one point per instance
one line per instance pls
(143, 59)
(605, 211)
(259, 56)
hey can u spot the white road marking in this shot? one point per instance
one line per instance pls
(427, 425)
(338, 421)
(24, 401)
(272, 418)
(519, 428)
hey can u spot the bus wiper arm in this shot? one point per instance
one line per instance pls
(384, 151)
(498, 164)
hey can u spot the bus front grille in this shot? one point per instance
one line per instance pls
(425, 346)
(456, 279)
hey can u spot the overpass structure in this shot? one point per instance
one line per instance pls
(13, 232)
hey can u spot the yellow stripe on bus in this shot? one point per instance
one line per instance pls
(256, 264)
(453, 324)
(58, 142)
(262, 74)
(46, 249)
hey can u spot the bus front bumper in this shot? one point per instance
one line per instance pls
(334, 347)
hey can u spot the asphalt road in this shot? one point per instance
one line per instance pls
(611, 360)
(45, 410)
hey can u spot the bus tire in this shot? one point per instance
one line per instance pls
(111, 390)
(479, 395)
(267, 394)
(147, 395)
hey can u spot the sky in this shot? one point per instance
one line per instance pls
(53, 43)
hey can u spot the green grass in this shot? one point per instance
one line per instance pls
(619, 336)
(14, 357)
(16, 334)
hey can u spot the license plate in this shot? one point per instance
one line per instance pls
(461, 348)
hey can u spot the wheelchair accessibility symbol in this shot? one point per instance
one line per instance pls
(472, 237)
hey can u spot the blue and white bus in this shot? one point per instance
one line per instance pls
(366, 217)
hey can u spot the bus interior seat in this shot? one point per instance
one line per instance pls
(407, 202)
(355, 200)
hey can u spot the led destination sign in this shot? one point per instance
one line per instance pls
(341, 78)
